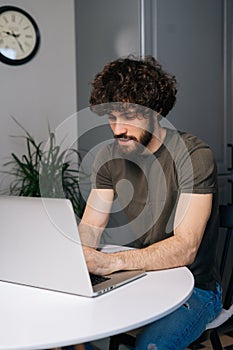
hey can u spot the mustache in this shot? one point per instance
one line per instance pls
(125, 137)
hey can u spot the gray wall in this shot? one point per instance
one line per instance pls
(43, 89)
(193, 40)
(190, 45)
(106, 30)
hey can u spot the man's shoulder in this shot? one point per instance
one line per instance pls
(192, 139)
(188, 140)
(106, 150)
(186, 147)
(106, 155)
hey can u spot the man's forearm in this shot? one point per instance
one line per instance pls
(158, 256)
(95, 217)
(165, 254)
(90, 235)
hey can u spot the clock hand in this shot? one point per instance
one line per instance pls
(15, 35)
(16, 38)
(20, 45)
(11, 34)
(7, 32)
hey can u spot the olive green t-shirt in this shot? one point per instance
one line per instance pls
(147, 189)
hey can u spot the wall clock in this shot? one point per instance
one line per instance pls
(19, 36)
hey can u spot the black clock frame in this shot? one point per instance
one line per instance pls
(16, 62)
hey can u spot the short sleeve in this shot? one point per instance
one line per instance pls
(101, 176)
(197, 170)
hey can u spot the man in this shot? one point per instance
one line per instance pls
(165, 182)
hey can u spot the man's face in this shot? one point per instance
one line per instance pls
(132, 132)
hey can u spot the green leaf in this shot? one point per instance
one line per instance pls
(46, 171)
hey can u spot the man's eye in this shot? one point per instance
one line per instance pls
(111, 118)
(130, 116)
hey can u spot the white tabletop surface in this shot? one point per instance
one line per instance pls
(32, 318)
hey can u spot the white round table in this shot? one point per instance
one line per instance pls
(32, 318)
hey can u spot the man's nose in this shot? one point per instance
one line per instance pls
(119, 128)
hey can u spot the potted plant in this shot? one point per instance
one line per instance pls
(46, 171)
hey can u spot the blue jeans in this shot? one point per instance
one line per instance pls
(180, 328)
(87, 347)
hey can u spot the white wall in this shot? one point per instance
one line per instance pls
(43, 89)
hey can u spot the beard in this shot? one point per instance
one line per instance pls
(139, 144)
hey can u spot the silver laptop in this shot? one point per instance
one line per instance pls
(40, 247)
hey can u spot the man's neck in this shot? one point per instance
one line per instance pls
(157, 138)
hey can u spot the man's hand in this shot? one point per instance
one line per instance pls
(100, 263)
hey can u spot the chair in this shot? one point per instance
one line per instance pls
(224, 322)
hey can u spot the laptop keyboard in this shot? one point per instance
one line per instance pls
(96, 279)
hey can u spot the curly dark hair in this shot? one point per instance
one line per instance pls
(135, 81)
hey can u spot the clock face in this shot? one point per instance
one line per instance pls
(19, 36)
